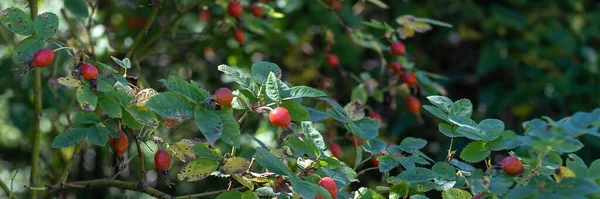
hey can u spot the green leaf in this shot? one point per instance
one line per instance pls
(594, 171)
(296, 110)
(202, 150)
(359, 93)
(341, 173)
(568, 146)
(86, 98)
(462, 166)
(209, 124)
(462, 108)
(441, 102)
(305, 189)
(411, 144)
(576, 187)
(491, 126)
(179, 85)
(121, 94)
(375, 146)
(437, 112)
(276, 89)
(105, 67)
(244, 181)
(129, 121)
(261, 70)
(507, 140)
(70, 137)
(576, 164)
(367, 128)
(241, 78)
(524, 192)
(112, 132)
(271, 162)
(98, 134)
(77, 8)
(399, 190)
(379, 4)
(230, 194)
(142, 115)
(249, 194)
(462, 121)
(125, 63)
(366, 193)
(110, 106)
(304, 91)
(312, 133)
(316, 115)
(387, 162)
(231, 129)
(447, 130)
(46, 25)
(475, 151)
(17, 21)
(305, 146)
(355, 110)
(27, 48)
(415, 175)
(171, 105)
(84, 119)
(197, 170)
(455, 193)
(444, 170)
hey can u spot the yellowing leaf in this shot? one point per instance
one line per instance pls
(418, 26)
(143, 96)
(235, 165)
(183, 150)
(406, 33)
(198, 169)
(244, 181)
(69, 82)
(563, 172)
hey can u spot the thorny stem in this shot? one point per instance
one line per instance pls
(37, 103)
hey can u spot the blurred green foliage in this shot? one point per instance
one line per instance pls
(514, 59)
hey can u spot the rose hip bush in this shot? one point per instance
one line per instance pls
(303, 160)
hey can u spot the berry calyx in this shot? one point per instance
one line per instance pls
(397, 48)
(256, 11)
(512, 165)
(235, 9)
(329, 184)
(223, 96)
(336, 150)
(204, 15)
(280, 117)
(162, 160)
(335, 5)
(89, 71)
(238, 35)
(410, 79)
(121, 144)
(332, 60)
(43, 58)
(396, 67)
(413, 104)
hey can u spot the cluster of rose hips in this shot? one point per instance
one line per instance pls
(44, 57)
(279, 116)
(162, 160)
(235, 9)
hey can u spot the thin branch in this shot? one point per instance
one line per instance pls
(141, 158)
(365, 170)
(37, 104)
(103, 183)
(198, 195)
(74, 158)
(6, 190)
(143, 32)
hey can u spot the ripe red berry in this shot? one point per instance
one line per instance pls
(332, 60)
(374, 161)
(223, 96)
(329, 184)
(162, 160)
(336, 150)
(89, 71)
(336, 5)
(376, 115)
(204, 16)
(397, 48)
(238, 35)
(512, 165)
(235, 9)
(43, 58)
(121, 144)
(256, 11)
(410, 79)
(280, 117)
(413, 104)
(396, 66)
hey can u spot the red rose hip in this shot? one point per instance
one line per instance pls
(280, 117)
(410, 79)
(89, 71)
(121, 144)
(329, 184)
(235, 9)
(396, 66)
(512, 165)
(332, 60)
(223, 96)
(413, 104)
(43, 58)
(238, 35)
(162, 160)
(336, 150)
(204, 15)
(397, 48)
(336, 5)
(256, 11)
